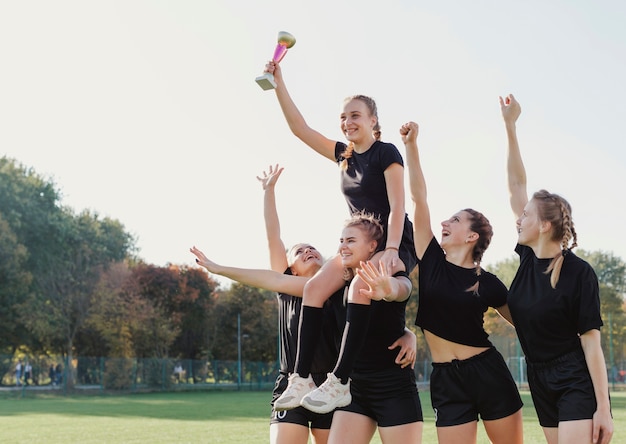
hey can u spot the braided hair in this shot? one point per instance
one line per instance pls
(556, 210)
(376, 132)
(480, 225)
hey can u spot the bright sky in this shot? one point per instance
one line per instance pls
(147, 111)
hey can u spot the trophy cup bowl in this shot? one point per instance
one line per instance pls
(285, 41)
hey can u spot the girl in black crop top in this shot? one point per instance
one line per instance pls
(454, 293)
(555, 305)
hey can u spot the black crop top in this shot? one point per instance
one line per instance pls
(445, 308)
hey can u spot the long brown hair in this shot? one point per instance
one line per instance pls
(480, 225)
(556, 210)
(376, 131)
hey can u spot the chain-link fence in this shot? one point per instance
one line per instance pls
(101, 374)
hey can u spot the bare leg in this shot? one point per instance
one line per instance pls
(406, 433)
(287, 433)
(508, 430)
(351, 428)
(459, 434)
(576, 431)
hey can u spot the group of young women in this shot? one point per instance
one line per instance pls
(342, 375)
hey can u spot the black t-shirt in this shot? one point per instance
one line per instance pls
(386, 325)
(327, 349)
(364, 187)
(549, 320)
(446, 308)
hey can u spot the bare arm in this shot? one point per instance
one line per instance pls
(602, 421)
(394, 178)
(505, 312)
(422, 229)
(516, 173)
(276, 247)
(295, 120)
(267, 279)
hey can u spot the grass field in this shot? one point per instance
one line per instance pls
(185, 417)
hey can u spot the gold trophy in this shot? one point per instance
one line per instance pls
(285, 41)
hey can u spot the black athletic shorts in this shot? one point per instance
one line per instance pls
(387, 396)
(562, 389)
(461, 391)
(299, 415)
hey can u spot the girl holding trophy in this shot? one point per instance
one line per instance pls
(372, 180)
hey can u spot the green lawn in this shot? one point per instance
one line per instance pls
(185, 417)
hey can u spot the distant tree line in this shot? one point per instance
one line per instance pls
(71, 284)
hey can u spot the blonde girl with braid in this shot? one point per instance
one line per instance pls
(470, 379)
(372, 180)
(555, 306)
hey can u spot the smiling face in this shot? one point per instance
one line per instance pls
(529, 226)
(304, 260)
(355, 246)
(357, 121)
(457, 230)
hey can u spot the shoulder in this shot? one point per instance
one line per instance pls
(387, 153)
(578, 265)
(492, 279)
(433, 251)
(340, 147)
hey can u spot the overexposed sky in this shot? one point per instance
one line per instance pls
(147, 111)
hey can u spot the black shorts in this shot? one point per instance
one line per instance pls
(562, 389)
(299, 415)
(461, 391)
(387, 396)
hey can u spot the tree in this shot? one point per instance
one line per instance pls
(65, 254)
(29, 209)
(14, 286)
(191, 305)
(258, 313)
(611, 270)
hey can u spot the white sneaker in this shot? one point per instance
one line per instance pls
(328, 396)
(295, 391)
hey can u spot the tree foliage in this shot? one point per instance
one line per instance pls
(70, 285)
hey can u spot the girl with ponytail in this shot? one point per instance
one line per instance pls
(555, 305)
(470, 378)
(372, 181)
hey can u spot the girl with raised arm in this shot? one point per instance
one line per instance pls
(290, 270)
(372, 181)
(470, 378)
(555, 305)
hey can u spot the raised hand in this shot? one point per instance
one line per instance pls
(204, 261)
(510, 108)
(377, 279)
(270, 178)
(409, 132)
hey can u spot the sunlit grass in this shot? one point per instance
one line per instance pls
(185, 417)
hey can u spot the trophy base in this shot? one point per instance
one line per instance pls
(266, 81)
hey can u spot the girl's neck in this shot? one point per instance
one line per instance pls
(460, 258)
(361, 147)
(546, 250)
